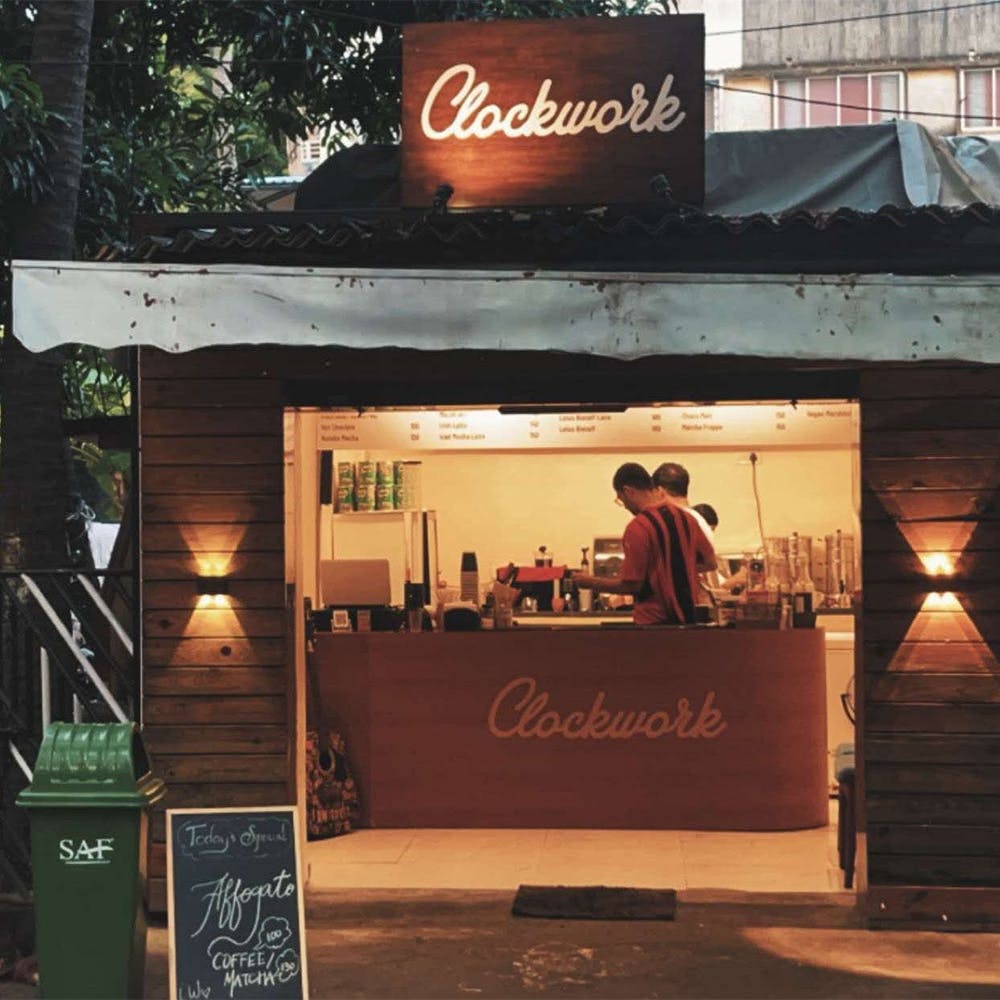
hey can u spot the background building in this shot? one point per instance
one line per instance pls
(795, 63)
(773, 64)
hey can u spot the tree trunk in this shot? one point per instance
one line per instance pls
(33, 461)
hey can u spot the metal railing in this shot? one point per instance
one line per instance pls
(67, 652)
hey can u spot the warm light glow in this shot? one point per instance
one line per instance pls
(213, 601)
(938, 601)
(937, 563)
(213, 565)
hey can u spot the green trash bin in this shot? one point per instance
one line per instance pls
(89, 825)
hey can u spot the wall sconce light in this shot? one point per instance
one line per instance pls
(938, 564)
(938, 601)
(213, 590)
(213, 585)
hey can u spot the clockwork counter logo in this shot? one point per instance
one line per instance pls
(80, 851)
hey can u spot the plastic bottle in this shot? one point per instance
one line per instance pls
(803, 588)
(585, 598)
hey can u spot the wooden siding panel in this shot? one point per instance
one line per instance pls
(888, 717)
(974, 442)
(959, 384)
(893, 473)
(933, 838)
(951, 779)
(181, 795)
(162, 710)
(215, 652)
(215, 680)
(932, 748)
(213, 479)
(974, 595)
(183, 596)
(211, 421)
(215, 739)
(238, 566)
(908, 567)
(185, 451)
(219, 508)
(207, 769)
(931, 716)
(933, 869)
(932, 907)
(941, 689)
(222, 392)
(189, 537)
(929, 657)
(928, 414)
(206, 623)
(885, 535)
(958, 504)
(948, 810)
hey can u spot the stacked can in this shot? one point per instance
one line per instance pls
(364, 489)
(407, 484)
(385, 490)
(397, 484)
(344, 497)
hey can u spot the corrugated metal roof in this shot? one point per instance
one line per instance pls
(659, 237)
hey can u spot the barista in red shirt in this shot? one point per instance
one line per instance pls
(665, 549)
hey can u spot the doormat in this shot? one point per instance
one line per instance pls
(594, 902)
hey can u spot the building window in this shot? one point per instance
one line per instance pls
(312, 150)
(978, 100)
(851, 99)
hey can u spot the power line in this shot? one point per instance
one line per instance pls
(899, 112)
(848, 19)
(852, 18)
(377, 22)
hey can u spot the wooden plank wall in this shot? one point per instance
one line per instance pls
(930, 447)
(216, 679)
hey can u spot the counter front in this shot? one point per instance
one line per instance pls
(714, 729)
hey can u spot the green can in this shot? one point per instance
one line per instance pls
(345, 473)
(384, 497)
(397, 475)
(364, 496)
(384, 474)
(89, 802)
(366, 474)
(344, 498)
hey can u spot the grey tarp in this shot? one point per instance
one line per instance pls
(861, 167)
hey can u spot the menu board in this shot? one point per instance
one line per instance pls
(234, 904)
(721, 426)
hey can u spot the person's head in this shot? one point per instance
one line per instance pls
(673, 478)
(633, 486)
(707, 511)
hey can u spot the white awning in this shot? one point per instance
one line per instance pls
(182, 307)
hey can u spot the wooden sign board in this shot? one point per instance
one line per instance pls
(234, 904)
(554, 112)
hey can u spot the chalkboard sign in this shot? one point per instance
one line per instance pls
(234, 904)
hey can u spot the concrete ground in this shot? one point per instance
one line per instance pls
(462, 944)
(445, 943)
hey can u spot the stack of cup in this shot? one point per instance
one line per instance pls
(469, 581)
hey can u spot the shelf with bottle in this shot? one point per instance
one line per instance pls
(355, 514)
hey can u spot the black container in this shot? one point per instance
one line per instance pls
(413, 596)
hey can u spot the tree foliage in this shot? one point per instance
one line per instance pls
(188, 101)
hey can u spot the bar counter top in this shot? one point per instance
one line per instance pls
(692, 728)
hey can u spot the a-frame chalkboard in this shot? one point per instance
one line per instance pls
(234, 904)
